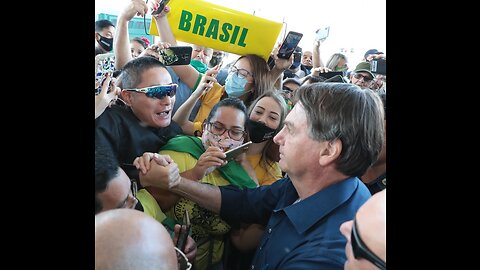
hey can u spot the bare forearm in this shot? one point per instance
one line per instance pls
(316, 60)
(181, 115)
(164, 30)
(186, 73)
(205, 195)
(121, 43)
(190, 175)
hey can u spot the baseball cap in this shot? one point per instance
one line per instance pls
(371, 51)
(365, 67)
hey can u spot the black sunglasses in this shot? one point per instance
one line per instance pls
(360, 250)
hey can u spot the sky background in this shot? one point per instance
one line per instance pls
(355, 25)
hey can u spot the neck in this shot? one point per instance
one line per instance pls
(373, 172)
(256, 148)
(311, 183)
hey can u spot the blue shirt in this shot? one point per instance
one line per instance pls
(304, 235)
(182, 94)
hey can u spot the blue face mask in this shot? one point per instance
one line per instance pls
(235, 85)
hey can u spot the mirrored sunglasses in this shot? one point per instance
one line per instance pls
(158, 91)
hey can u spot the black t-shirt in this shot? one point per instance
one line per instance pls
(120, 130)
(379, 184)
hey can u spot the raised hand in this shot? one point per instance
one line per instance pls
(211, 159)
(108, 95)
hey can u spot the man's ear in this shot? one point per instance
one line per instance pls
(330, 152)
(127, 97)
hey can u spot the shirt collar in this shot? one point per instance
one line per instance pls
(318, 205)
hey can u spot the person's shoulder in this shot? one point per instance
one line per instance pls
(175, 78)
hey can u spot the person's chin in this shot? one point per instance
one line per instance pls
(281, 164)
(162, 120)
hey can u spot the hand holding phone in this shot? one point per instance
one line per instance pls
(289, 44)
(233, 153)
(378, 66)
(217, 68)
(175, 55)
(160, 8)
(104, 66)
(184, 232)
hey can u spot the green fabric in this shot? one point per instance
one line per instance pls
(233, 172)
(169, 223)
(197, 82)
(199, 66)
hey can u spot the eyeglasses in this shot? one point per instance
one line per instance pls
(360, 250)
(134, 187)
(358, 76)
(158, 91)
(183, 263)
(242, 73)
(286, 88)
(218, 129)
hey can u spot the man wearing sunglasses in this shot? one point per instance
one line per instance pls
(144, 124)
(366, 235)
(362, 76)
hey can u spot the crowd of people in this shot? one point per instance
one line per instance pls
(308, 192)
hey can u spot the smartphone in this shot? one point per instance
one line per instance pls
(176, 55)
(322, 33)
(217, 67)
(104, 65)
(297, 57)
(379, 66)
(271, 62)
(184, 232)
(233, 153)
(161, 6)
(289, 44)
(330, 74)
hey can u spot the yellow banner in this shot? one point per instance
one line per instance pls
(206, 24)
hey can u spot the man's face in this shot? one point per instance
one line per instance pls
(298, 152)
(118, 193)
(202, 54)
(107, 32)
(153, 112)
(307, 58)
(362, 79)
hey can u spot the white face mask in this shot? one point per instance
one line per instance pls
(210, 139)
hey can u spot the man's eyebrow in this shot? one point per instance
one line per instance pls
(289, 125)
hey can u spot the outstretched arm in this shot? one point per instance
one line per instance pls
(186, 73)
(181, 116)
(317, 61)
(121, 42)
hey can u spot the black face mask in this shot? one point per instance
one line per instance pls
(106, 43)
(259, 132)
